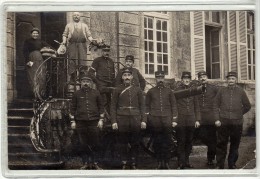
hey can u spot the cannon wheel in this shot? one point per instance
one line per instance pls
(147, 143)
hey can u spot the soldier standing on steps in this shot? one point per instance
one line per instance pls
(87, 116)
(161, 109)
(128, 117)
(103, 73)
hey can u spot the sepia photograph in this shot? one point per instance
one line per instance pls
(160, 90)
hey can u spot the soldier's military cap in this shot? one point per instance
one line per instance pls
(231, 73)
(35, 29)
(159, 74)
(127, 70)
(200, 73)
(106, 48)
(130, 57)
(186, 74)
(85, 77)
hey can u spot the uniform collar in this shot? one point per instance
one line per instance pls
(86, 89)
(160, 86)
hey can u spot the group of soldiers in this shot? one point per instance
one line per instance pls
(217, 112)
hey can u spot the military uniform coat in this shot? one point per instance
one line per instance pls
(87, 105)
(232, 103)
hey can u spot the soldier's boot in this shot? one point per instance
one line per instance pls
(96, 167)
(85, 166)
(133, 166)
(160, 165)
(210, 162)
(124, 165)
(166, 165)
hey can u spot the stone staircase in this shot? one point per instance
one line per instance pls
(21, 152)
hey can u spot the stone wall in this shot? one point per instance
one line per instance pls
(129, 36)
(10, 57)
(181, 42)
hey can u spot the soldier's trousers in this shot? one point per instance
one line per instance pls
(89, 140)
(184, 141)
(225, 133)
(207, 134)
(105, 93)
(129, 133)
(161, 129)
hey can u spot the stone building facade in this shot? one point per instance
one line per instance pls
(215, 41)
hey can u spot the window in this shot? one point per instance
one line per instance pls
(156, 44)
(212, 16)
(212, 52)
(251, 46)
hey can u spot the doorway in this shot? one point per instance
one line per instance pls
(51, 26)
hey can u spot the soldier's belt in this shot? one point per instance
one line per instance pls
(127, 107)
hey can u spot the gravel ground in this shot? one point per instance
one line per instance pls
(198, 158)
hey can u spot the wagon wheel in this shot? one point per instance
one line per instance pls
(147, 143)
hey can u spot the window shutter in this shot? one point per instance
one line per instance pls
(197, 42)
(237, 43)
(232, 41)
(243, 45)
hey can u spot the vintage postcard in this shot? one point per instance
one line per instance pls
(130, 92)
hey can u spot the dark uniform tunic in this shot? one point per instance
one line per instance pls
(189, 113)
(232, 103)
(138, 79)
(128, 111)
(209, 114)
(162, 108)
(87, 106)
(105, 76)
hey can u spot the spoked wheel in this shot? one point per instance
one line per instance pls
(147, 142)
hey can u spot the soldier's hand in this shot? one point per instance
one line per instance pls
(218, 123)
(100, 124)
(197, 124)
(114, 126)
(73, 125)
(174, 124)
(143, 125)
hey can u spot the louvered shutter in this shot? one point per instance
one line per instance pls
(197, 42)
(232, 42)
(242, 45)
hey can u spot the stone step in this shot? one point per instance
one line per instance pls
(33, 156)
(19, 121)
(18, 130)
(21, 148)
(19, 139)
(23, 103)
(35, 165)
(20, 112)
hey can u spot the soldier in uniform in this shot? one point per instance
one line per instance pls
(128, 117)
(87, 116)
(103, 73)
(232, 103)
(188, 120)
(209, 114)
(161, 109)
(138, 79)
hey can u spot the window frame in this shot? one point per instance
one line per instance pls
(251, 48)
(162, 17)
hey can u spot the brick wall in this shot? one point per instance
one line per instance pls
(10, 57)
